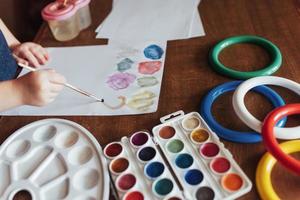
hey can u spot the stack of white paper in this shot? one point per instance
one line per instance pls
(160, 20)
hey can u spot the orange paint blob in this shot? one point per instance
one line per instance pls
(119, 165)
(199, 135)
(232, 182)
(167, 132)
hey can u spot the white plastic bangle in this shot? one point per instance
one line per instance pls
(249, 119)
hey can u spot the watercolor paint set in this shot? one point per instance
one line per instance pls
(181, 159)
(53, 159)
(138, 169)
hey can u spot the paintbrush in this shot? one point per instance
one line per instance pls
(67, 85)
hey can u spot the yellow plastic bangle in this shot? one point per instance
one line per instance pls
(264, 169)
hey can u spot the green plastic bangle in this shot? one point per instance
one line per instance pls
(266, 44)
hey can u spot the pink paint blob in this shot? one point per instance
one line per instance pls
(149, 67)
(120, 80)
(126, 181)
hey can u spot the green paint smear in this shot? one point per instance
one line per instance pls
(147, 81)
(163, 186)
(140, 104)
(125, 64)
(144, 95)
(175, 146)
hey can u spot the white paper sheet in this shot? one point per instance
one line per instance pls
(89, 68)
(113, 5)
(196, 28)
(138, 20)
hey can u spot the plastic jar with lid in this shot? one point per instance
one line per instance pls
(62, 20)
(83, 12)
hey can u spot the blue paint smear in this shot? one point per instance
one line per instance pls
(193, 177)
(184, 160)
(153, 52)
(163, 186)
(124, 64)
(154, 169)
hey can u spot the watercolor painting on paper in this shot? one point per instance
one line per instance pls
(127, 76)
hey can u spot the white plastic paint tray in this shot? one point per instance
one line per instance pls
(53, 159)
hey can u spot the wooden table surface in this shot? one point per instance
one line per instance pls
(188, 76)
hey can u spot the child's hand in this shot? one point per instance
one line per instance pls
(30, 53)
(41, 87)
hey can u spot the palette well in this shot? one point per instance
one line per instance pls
(183, 159)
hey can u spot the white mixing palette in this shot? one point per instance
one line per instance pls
(53, 159)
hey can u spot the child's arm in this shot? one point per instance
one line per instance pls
(26, 53)
(10, 38)
(35, 88)
(10, 97)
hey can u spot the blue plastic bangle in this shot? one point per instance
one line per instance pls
(228, 134)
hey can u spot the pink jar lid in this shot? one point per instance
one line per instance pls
(58, 11)
(78, 3)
